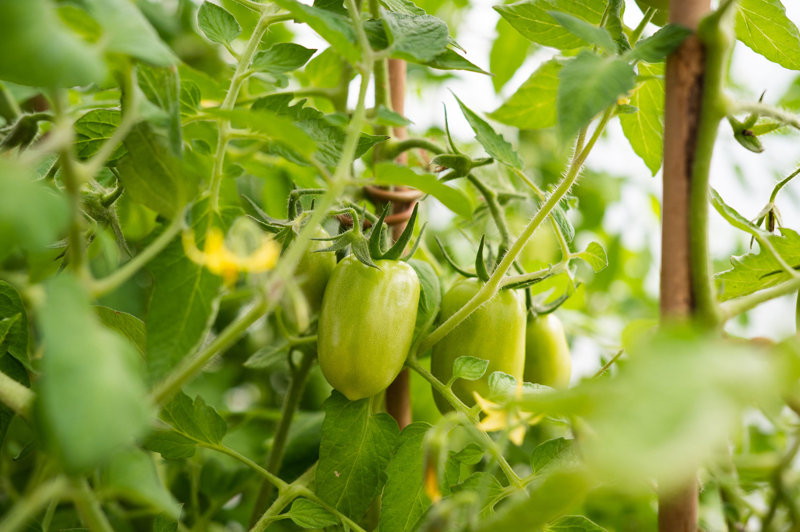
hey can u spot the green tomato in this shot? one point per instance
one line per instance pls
(495, 332)
(547, 358)
(314, 270)
(366, 325)
(312, 274)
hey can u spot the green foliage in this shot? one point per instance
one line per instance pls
(171, 176)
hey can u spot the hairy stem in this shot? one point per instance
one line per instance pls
(14, 395)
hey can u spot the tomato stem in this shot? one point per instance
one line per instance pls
(27, 507)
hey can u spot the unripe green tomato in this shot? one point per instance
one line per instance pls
(314, 270)
(494, 332)
(547, 358)
(366, 325)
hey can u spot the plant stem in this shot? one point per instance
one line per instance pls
(240, 74)
(89, 507)
(192, 365)
(762, 109)
(269, 477)
(275, 457)
(497, 214)
(73, 179)
(24, 510)
(129, 269)
(393, 148)
(457, 404)
(494, 283)
(14, 395)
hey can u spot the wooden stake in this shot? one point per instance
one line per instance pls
(677, 510)
(398, 394)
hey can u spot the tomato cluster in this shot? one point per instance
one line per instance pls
(367, 322)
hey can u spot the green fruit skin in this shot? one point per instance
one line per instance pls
(494, 332)
(366, 325)
(547, 359)
(314, 270)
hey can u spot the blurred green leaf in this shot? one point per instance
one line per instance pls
(550, 453)
(508, 52)
(595, 256)
(451, 60)
(469, 368)
(659, 45)
(14, 324)
(194, 419)
(574, 523)
(331, 26)
(162, 87)
(127, 325)
(40, 51)
(132, 475)
(127, 31)
(533, 105)
(454, 199)
(430, 295)
(23, 204)
(91, 399)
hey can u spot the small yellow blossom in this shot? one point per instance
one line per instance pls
(498, 417)
(220, 260)
(432, 483)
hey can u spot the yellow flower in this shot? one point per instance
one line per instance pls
(500, 417)
(220, 260)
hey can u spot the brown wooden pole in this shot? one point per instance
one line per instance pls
(398, 394)
(677, 509)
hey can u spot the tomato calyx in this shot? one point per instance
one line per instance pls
(395, 252)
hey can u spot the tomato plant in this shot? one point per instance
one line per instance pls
(226, 225)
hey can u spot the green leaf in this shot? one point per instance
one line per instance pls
(450, 60)
(150, 174)
(550, 497)
(559, 214)
(494, 144)
(355, 449)
(644, 129)
(194, 419)
(585, 31)
(170, 444)
(126, 324)
(91, 399)
(14, 339)
(574, 523)
(533, 20)
(282, 57)
(39, 50)
(308, 514)
(550, 453)
(132, 475)
(127, 31)
(755, 271)
(415, 37)
(659, 45)
(430, 295)
(533, 106)
(508, 52)
(588, 85)
(469, 368)
(387, 173)
(278, 128)
(93, 129)
(162, 87)
(404, 500)
(764, 27)
(615, 26)
(331, 26)
(183, 301)
(21, 203)
(403, 6)
(472, 454)
(217, 24)
(270, 356)
(595, 256)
